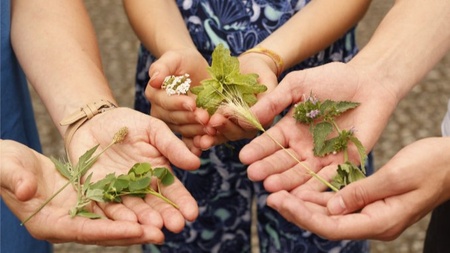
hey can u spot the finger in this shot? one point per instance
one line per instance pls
(363, 192)
(311, 217)
(184, 200)
(262, 146)
(145, 214)
(170, 103)
(190, 143)
(118, 211)
(188, 131)
(171, 146)
(101, 231)
(288, 91)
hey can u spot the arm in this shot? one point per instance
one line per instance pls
(315, 27)
(55, 43)
(390, 69)
(312, 29)
(56, 46)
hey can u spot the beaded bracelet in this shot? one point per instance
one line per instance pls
(274, 56)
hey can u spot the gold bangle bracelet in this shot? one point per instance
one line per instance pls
(274, 56)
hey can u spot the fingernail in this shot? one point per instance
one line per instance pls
(336, 205)
(152, 77)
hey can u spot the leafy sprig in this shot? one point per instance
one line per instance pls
(226, 78)
(321, 117)
(236, 92)
(137, 182)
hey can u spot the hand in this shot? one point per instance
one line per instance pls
(379, 207)
(178, 112)
(335, 81)
(148, 140)
(228, 127)
(29, 179)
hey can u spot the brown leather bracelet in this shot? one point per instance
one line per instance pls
(78, 118)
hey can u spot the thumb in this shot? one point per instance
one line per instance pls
(288, 91)
(357, 195)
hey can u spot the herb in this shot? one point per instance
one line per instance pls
(236, 92)
(111, 188)
(226, 79)
(176, 84)
(320, 116)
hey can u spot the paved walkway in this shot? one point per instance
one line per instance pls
(415, 117)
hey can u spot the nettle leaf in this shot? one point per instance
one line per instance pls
(331, 109)
(361, 152)
(347, 173)
(63, 168)
(320, 134)
(226, 81)
(164, 175)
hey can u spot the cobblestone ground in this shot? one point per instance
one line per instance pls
(415, 117)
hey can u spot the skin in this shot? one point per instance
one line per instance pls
(61, 35)
(199, 130)
(380, 206)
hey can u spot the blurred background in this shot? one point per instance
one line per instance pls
(415, 117)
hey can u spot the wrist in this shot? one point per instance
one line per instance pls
(273, 56)
(77, 118)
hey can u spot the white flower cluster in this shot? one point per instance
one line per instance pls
(177, 84)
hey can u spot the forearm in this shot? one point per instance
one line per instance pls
(56, 46)
(158, 25)
(315, 27)
(410, 40)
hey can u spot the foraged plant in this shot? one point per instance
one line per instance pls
(236, 92)
(137, 182)
(321, 118)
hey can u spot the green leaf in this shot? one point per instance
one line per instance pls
(87, 214)
(361, 152)
(95, 195)
(85, 162)
(347, 173)
(164, 175)
(343, 106)
(63, 168)
(101, 184)
(226, 83)
(140, 184)
(140, 168)
(320, 133)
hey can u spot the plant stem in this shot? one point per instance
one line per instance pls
(311, 172)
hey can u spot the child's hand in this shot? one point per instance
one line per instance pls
(228, 127)
(177, 111)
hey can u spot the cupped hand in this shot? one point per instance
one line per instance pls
(179, 112)
(226, 124)
(379, 207)
(148, 140)
(29, 179)
(334, 81)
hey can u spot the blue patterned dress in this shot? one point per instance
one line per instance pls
(221, 186)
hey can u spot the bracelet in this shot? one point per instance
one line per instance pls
(274, 56)
(78, 118)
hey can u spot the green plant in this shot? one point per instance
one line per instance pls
(111, 188)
